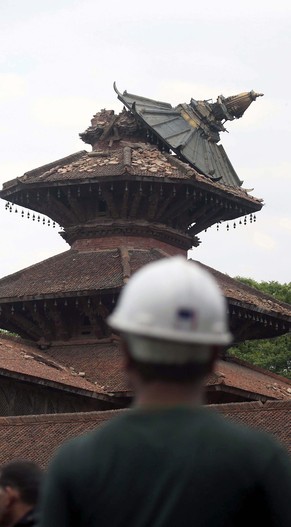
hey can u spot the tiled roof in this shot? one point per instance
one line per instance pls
(127, 158)
(103, 270)
(101, 362)
(139, 258)
(20, 358)
(68, 272)
(90, 269)
(36, 438)
(245, 377)
(273, 417)
(233, 289)
(74, 271)
(102, 371)
(145, 160)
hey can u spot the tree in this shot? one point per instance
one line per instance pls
(280, 291)
(272, 354)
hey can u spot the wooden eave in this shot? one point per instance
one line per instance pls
(199, 181)
(244, 394)
(55, 385)
(37, 171)
(259, 310)
(250, 322)
(175, 237)
(258, 315)
(196, 205)
(53, 296)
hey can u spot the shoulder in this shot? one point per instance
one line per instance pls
(248, 442)
(82, 443)
(228, 427)
(85, 454)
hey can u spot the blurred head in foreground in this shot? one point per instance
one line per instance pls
(20, 483)
(172, 318)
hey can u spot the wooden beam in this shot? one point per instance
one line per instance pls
(124, 206)
(135, 204)
(179, 203)
(60, 329)
(60, 211)
(77, 212)
(164, 206)
(153, 204)
(108, 196)
(22, 325)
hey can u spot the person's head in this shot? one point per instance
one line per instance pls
(20, 483)
(172, 318)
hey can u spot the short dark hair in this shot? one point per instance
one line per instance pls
(183, 373)
(26, 476)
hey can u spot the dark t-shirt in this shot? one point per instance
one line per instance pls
(29, 520)
(169, 468)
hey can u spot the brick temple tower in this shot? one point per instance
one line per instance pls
(155, 179)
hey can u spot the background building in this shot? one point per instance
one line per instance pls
(155, 178)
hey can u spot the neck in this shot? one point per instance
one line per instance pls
(166, 394)
(19, 512)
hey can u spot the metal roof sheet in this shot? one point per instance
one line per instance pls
(191, 131)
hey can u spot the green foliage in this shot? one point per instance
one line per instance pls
(271, 354)
(5, 333)
(280, 291)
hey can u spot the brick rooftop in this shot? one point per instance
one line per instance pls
(36, 438)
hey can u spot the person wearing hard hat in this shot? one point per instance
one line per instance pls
(169, 461)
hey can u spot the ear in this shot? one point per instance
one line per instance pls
(127, 362)
(12, 495)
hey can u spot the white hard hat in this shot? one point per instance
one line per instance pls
(173, 299)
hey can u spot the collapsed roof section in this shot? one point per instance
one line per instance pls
(131, 175)
(192, 130)
(130, 181)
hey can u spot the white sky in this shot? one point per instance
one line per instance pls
(58, 62)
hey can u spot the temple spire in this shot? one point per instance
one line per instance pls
(233, 107)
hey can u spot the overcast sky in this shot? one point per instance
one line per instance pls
(58, 62)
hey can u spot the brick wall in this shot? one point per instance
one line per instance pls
(131, 242)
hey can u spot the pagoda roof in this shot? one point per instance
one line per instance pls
(96, 370)
(102, 370)
(89, 271)
(37, 437)
(238, 376)
(102, 363)
(237, 291)
(26, 362)
(68, 273)
(192, 130)
(273, 417)
(128, 159)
